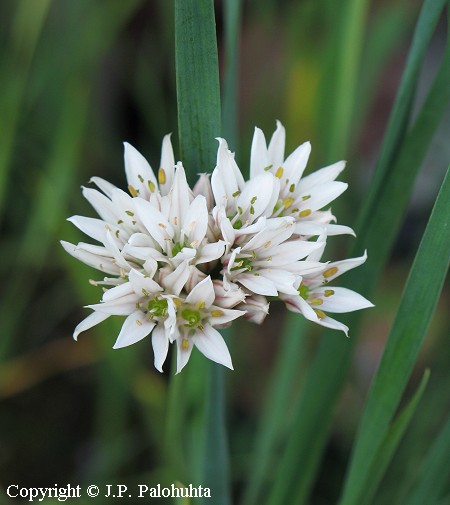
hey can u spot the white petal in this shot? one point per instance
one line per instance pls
(338, 229)
(156, 224)
(282, 280)
(257, 284)
(210, 343)
(203, 187)
(203, 292)
(92, 227)
(102, 204)
(259, 156)
(160, 344)
(195, 223)
(211, 252)
(276, 146)
(90, 321)
(123, 306)
(143, 285)
(179, 198)
(138, 171)
(183, 354)
(329, 322)
(105, 186)
(99, 262)
(135, 328)
(321, 176)
(322, 195)
(174, 282)
(337, 268)
(257, 194)
(117, 292)
(295, 164)
(167, 164)
(342, 300)
(276, 231)
(226, 315)
(118, 257)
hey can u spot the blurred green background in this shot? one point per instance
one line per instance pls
(77, 78)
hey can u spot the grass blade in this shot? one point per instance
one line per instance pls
(27, 26)
(345, 62)
(198, 98)
(434, 473)
(328, 371)
(232, 15)
(398, 121)
(391, 441)
(197, 77)
(273, 428)
(414, 315)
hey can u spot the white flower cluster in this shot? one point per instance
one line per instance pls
(182, 262)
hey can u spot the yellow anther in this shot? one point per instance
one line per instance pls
(200, 305)
(329, 292)
(267, 244)
(122, 272)
(306, 197)
(92, 282)
(320, 314)
(217, 313)
(287, 202)
(331, 271)
(133, 192)
(292, 188)
(145, 292)
(139, 323)
(305, 213)
(151, 186)
(175, 220)
(177, 302)
(315, 301)
(162, 225)
(279, 172)
(162, 176)
(185, 344)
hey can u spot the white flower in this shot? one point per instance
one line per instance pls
(182, 263)
(268, 263)
(299, 197)
(197, 315)
(315, 298)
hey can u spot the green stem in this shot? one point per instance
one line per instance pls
(216, 474)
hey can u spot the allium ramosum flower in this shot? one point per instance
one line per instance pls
(181, 263)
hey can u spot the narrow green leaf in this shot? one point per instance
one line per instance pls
(390, 443)
(26, 28)
(232, 15)
(345, 63)
(329, 369)
(198, 98)
(274, 424)
(216, 473)
(435, 472)
(197, 77)
(399, 118)
(414, 315)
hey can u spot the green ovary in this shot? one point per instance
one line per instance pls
(304, 291)
(157, 307)
(193, 317)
